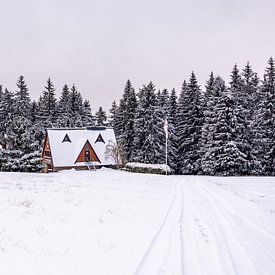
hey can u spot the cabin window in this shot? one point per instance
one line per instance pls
(99, 139)
(66, 139)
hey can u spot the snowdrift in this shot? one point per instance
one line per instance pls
(147, 168)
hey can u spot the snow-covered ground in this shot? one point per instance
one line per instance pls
(114, 222)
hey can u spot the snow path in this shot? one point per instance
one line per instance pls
(209, 236)
(114, 222)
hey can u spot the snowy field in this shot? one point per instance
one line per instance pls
(114, 222)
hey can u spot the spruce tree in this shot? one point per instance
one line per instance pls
(172, 134)
(241, 124)
(47, 106)
(221, 154)
(265, 121)
(77, 108)
(124, 121)
(87, 117)
(149, 140)
(64, 108)
(113, 111)
(101, 117)
(1, 92)
(22, 101)
(6, 114)
(163, 101)
(189, 124)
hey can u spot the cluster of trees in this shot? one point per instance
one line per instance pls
(221, 130)
(23, 122)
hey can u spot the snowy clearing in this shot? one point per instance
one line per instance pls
(115, 222)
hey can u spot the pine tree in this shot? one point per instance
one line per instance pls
(64, 104)
(64, 108)
(149, 140)
(101, 117)
(6, 114)
(22, 99)
(208, 89)
(221, 154)
(124, 121)
(47, 106)
(77, 108)
(265, 121)
(1, 92)
(241, 123)
(172, 134)
(189, 124)
(163, 101)
(34, 110)
(251, 97)
(87, 118)
(113, 111)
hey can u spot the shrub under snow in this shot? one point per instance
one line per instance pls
(147, 168)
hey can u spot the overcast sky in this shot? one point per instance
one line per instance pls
(99, 44)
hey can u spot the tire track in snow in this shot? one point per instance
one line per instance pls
(158, 243)
(250, 238)
(181, 231)
(171, 255)
(241, 263)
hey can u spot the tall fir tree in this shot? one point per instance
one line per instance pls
(1, 92)
(76, 107)
(6, 114)
(47, 106)
(113, 111)
(189, 125)
(172, 131)
(101, 117)
(265, 121)
(64, 108)
(221, 154)
(124, 121)
(87, 117)
(241, 124)
(22, 100)
(149, 140)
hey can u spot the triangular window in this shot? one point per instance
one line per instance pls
(99, 139)
(66, 139)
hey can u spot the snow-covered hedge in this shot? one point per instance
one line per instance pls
(16, 160)
(147, 168)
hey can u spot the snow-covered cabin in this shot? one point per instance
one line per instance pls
(79, 148)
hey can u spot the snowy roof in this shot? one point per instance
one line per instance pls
(66, 153)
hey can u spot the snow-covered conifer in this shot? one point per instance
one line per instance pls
(101, 117)
(189, 124)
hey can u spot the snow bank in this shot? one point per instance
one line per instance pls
(147, 168)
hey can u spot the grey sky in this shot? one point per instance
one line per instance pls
(98, 45)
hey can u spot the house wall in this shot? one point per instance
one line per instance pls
(47, 156)
(93, 156)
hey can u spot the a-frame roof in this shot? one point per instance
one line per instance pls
(65, 153)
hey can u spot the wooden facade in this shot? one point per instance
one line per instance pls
(47, 156)
(78, 148)
(87, 154)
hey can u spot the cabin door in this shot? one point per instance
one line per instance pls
(87, 156)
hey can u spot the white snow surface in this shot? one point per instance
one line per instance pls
(66, 153)
(115, 222)
(162, 167)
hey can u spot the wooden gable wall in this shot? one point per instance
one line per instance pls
(47, 154)
(92, 154)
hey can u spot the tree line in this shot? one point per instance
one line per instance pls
(219, 130)
(23, 122)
